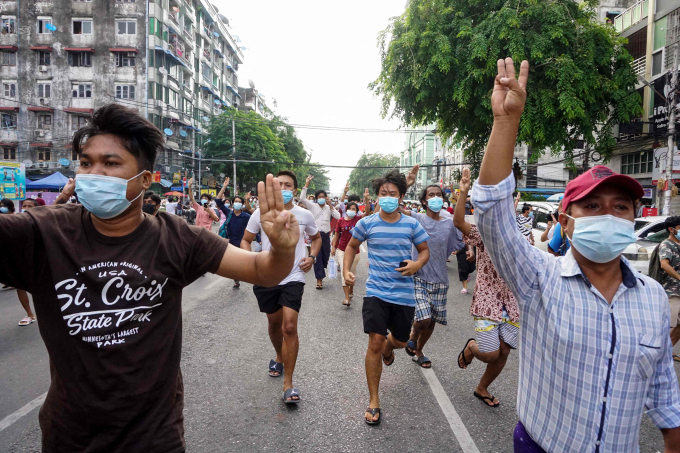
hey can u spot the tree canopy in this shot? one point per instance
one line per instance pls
(258, 138)
(360, 178)
(439, 60)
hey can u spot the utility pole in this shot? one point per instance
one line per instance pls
(233, 150)
(671, 133)
(199, 173)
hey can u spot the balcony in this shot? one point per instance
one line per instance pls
(172, 15)
(188, 35)
(631, 16)
(639, 66)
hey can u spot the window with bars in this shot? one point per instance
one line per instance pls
(44, 90)
(44, 58)
(82, 27)
(125, 91)
(8, 25)
(44, 121)
(76, 59)
(79, 121)
(126, 1)
(9, 120)
(9, 58)
(9, 153)
(9, 90)
(42, 25)
(82, 90)
(127, 27)
(44, 155)
(640, 162)
(124, 59)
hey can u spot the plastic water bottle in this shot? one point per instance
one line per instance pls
(332, 270)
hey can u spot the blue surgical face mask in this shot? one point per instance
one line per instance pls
(389, 204)
(238, 206)
(602, 238)
(351, 214)
(435, 203)
(104, 196)
(4, 210)
(287, 196)
(321, 201)
(677, 235)
(346, 200)
(227, 204)
(204, 201)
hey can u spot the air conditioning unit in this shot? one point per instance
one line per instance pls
(39, 133)
(44, 101)
(42, 68)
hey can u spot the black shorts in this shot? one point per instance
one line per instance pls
(380, 316)
(271, 299)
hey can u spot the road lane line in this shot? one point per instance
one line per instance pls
(462, 435)
(219, 280)
(12, 418)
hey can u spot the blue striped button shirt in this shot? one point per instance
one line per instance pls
(588, 369)
(388, 245)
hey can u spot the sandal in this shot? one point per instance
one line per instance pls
(373, 412)
(485, 398)
(423, 361)
(462, 354)
(319, 286)
(26, 321)
(291, 393)
(676, 358)
(346, 302)
(237, 285)
(410, 348)
(275, 367)
(388, 360)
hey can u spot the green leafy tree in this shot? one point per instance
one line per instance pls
(439, 62)
(360, 178)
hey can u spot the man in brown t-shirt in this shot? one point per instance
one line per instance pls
(107, 287)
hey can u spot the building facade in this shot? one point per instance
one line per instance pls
(419, 147)
(251, 100)
(172, 60)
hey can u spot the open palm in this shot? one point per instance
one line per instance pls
(280, 225)
(509, 94)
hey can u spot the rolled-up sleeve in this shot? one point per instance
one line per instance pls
(517, 262)
(663, 396)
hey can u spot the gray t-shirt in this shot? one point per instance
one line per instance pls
(444, 240)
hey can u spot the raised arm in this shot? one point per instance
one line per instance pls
(344, 193)
(459, 213)
(517, 199)
(246, 204)
(225, 188)
(191, 191)
(303, 194)
(67, 192)
(516, 261)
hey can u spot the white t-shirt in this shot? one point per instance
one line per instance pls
(170, 207)
(307, 225)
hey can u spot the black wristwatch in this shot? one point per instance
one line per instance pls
(313, 257)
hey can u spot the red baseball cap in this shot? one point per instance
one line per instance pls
(594, 178)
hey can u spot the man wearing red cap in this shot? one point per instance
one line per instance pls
(594, 350)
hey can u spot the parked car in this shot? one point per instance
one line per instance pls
(543, 211)
(650, 232)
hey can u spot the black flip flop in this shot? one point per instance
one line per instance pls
(319, 286)
(422, 360)
(289, 394)
(462, 353)
(484, 398)
(275, 367)
(386, 359)
(410, 348)
(373, 412)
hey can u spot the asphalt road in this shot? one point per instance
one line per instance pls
(232, 405)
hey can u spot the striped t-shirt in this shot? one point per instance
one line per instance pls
(388, 245)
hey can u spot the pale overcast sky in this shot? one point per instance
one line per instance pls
(316, 59)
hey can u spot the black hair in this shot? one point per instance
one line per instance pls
(207, 195)
(136, 134)
(525, 208)
(423, 194)
(353, 197)
(151, 194)
(291, 174)
(672, 222)
(233, 200)
(350, 204)
(393, 177)
(31, 200)
(319, 192)
(39, 194)
(9, 204)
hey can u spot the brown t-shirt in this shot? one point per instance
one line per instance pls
(109, 311)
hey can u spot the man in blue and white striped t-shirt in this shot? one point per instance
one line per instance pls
(390, 301)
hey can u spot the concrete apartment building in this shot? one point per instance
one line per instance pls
(173, 60)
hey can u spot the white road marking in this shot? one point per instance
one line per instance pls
(12, 418)
(218, 280)
(456, 424)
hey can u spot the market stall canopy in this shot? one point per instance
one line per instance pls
(54, 181)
